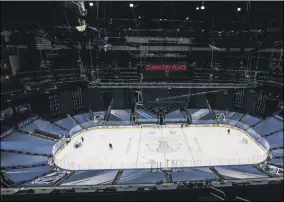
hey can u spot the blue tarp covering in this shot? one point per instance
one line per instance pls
(278, 152)
(82, 118)
(142, 176)
(10, 159)
(18, 175)
(194, 174)
(142, 114)
(275, 140)
(32, 140)
(66, 123)
(26, 147)
(269, 125)
(277, 161)
(249, 120)
(236, 116)
(91, 177)
(48, 127)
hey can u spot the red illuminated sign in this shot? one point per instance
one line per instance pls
(166, 67)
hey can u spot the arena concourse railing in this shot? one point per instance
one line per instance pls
(197, 163)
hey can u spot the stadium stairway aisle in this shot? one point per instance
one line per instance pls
(18, 175)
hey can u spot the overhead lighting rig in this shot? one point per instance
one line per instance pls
(171, 85)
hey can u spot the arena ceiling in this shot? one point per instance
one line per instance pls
(224, 11)
(47, 31)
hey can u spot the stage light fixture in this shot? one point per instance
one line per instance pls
(197, 8)
(202, 7)
(187, 18)
(91, 4)
(239, 9)
(131, 5)
(81, 28)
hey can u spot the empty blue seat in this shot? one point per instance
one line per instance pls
(122, 115)
(142, 114)
(48, 127)
(278, 153)
(82, 118)
(29, 127)
(239, 172)
(192, 111)
(91, 177)
(142, 177)
(194, 174)
(66, 123)
(114, 118)
(277, 161)
(17, 175)
(27, 147)
(270, 125)
(275, 140)
(206, 117)
(236, 116)
(24, 138)
(174, 115)
(11, 159)
(249, 120)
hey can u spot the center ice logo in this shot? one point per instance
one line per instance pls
(164, 145)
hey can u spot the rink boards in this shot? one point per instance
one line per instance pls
(159, 147)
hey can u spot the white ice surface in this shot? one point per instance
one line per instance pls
(159, 147)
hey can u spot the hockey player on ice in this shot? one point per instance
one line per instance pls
(110, 146)
(228, 132)
(82, 139)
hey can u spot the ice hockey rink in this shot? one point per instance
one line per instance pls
(166, 147)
